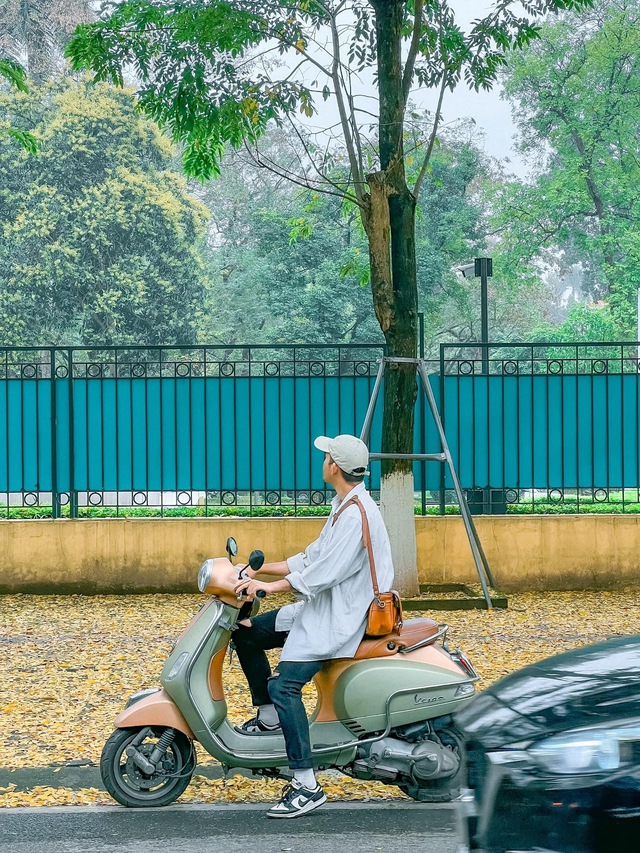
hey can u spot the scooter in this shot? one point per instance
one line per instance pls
(384, 715)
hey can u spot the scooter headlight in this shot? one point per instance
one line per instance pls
(204, 575)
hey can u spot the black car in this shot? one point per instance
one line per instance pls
(553, 756)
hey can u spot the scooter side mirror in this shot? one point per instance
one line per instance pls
(256, 559)
(232, 547)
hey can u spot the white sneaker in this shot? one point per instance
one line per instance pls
(297, 800)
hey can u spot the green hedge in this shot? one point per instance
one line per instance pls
(568, 506)
(35, 512)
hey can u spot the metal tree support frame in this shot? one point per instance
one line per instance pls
(444, 457)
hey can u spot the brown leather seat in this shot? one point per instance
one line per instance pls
(411, 632)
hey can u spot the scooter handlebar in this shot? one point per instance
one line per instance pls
(261, 593)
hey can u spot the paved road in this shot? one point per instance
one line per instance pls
(335, 828)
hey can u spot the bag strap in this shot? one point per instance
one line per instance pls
(366, 540)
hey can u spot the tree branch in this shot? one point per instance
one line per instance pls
(407, 76)
(320, 173)
(432, 138)
(288, 175)
(344, 117)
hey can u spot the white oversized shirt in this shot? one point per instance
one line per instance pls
(333, 579)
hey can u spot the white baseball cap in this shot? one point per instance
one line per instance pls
(348, 452)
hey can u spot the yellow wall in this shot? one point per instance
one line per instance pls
(129, 555)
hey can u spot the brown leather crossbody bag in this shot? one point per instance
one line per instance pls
(385, 611)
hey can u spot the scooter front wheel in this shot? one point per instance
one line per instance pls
(130, 785)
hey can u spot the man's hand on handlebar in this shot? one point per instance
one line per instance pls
(251, 588)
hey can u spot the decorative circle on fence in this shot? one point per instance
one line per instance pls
(29, 371)
(362, 368)
(302, 498)
(227, 368)
(555, 495)
(272, 368)
(94, 370)
(183, 370)
(511, 496)
(465, 368)
(138, 371)
(30, 499)
(62, 371)
(95, 498)
(184, 498)
(317, 498)
(64, 498)
(600, 366)
(139, 498)
(228, 498)
(554, 366)
(600, 495)
(510, 368)
(316, 368)
(272, 498)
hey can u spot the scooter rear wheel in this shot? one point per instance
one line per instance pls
(133, 788)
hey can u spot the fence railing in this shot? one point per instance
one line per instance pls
(226, 430)
(544, 427)
(174, 428)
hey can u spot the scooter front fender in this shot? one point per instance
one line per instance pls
(157, 709)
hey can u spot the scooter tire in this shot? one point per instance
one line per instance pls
(136, 790)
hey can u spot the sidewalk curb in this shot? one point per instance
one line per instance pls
(230, 807)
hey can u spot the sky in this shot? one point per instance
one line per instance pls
(491, 114)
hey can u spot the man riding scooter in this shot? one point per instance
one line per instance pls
(333, 580)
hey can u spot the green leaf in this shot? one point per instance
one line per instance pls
(14, 73)
(25, 139)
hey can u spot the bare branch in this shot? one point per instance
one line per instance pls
(299, 180)
(354, 124)
(344, 117)
(432, 138)
(407, 76)
(320, 173)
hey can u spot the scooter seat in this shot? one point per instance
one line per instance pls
(413, 631)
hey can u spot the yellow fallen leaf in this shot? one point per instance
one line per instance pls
(122, 642)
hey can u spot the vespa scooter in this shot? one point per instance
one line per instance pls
(385, 714)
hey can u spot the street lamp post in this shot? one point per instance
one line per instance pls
(483, 269)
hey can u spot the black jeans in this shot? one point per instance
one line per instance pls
(283, 689)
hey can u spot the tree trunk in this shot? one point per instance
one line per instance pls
(390, 227)
(619, 302)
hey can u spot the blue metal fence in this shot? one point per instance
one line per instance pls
(175, 427)
(547, 425)
(533, 425)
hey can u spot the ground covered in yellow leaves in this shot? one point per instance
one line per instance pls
(68, 663)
